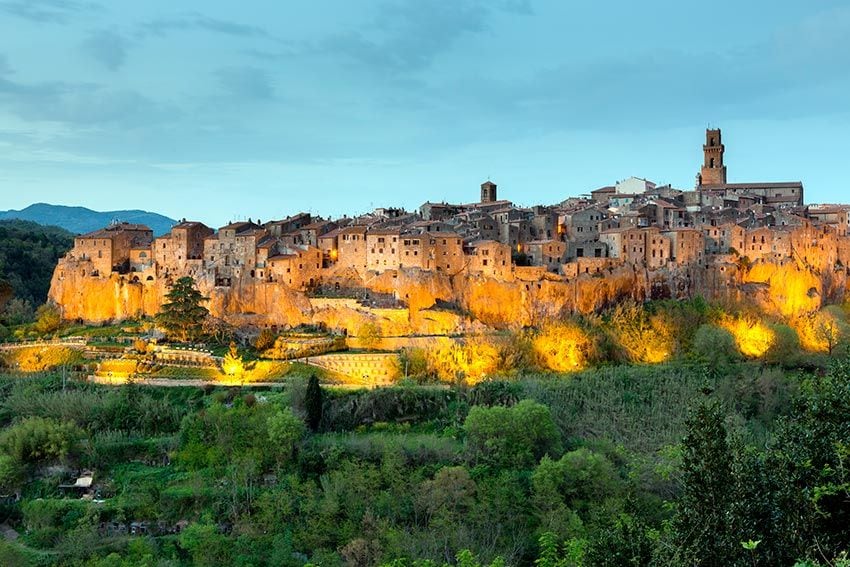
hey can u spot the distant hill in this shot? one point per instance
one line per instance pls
(28, 254)
(79, 220)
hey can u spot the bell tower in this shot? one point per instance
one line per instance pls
(713, 172)
(488, 192)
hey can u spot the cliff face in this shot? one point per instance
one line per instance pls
(117, 297)
(784, 289)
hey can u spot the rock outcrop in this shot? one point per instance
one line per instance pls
(435, 303)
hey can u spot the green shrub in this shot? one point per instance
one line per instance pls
(714, 345)
(515, 437)
(37, 440)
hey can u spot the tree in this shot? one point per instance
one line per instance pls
(703, 533)
(564, 347)
(18, 311)
(182, 316)
(514, 437)
(715, 345)
(265, 340)
(642, 338)
(313, 403)
(47, 319)
(37, 440)
(232, 365)
(285, 433)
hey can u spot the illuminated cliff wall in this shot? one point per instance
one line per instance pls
(440, 304)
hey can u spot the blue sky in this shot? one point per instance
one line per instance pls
(224, 110)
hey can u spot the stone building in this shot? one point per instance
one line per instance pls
(837, 216)
(489, 258)
(643, 247)
(382, 249)
(351, 248)
(547, 253)
(184, 242)
(232, 252)
(721, 239)
(299, 267)
(581, 225)
(108, 249)
(414, 251)
(446, 250)
(687, 246)
(488, 192)
(585, 249)
(713, 171)
(712, 183)
(758, 243)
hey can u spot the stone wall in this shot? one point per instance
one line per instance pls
(371, 369)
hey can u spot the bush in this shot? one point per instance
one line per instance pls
(395, 404)
(515, 437)
(785, 349)
(564, 347)
(470, 360)
(714, 346)
(39, 440)
(47, 319)
(285, 432)
(39, 359)
(10, 474)
(265, 340)
(641, 337)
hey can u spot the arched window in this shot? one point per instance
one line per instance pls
(711, 162)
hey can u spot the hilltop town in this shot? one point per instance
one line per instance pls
(633, 238)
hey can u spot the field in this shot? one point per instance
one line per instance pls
(569, 463)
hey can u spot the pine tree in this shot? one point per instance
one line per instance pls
(313, 401)
(182, 316)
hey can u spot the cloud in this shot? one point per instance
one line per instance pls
(246, 83)
(47, 11)
(106, 47)
(188, 22)
(80, 104)
(407, 37)
(800, 71)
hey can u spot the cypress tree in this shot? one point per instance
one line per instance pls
(313, 401)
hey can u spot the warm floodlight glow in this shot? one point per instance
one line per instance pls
(752, 337)
(818, 332)
(232, 364)
(562, 347)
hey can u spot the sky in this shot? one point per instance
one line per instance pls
(217, 111)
